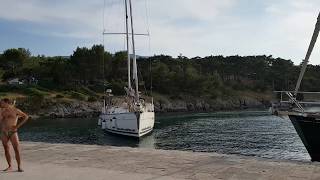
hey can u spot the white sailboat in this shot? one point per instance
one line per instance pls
(134, 116)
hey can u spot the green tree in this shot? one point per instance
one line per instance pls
(14, 58)
(88, 63)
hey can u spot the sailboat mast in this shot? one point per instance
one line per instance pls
(128, 48)
(135, 73)
(306, 60)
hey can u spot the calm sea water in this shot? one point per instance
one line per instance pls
(252, 133)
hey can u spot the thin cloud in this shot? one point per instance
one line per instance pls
(191, 27)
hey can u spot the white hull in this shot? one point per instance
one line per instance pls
(135, 124)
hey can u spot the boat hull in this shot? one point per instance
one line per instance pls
(308, 128)
(134, 124)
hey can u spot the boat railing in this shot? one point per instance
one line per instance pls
(301, 100)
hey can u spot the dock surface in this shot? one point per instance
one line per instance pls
(92, 162)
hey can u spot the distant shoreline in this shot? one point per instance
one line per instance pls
(76, 108)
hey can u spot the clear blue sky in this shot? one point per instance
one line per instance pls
(191, 27)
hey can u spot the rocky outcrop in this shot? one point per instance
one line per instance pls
(73, 108)
(60, 108)
(209, 105)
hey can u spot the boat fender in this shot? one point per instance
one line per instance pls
(104, 124)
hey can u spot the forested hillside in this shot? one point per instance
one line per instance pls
(86, 73)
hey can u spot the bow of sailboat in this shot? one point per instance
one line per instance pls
(294, 105)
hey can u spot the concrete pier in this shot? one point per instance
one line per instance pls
(90, 162)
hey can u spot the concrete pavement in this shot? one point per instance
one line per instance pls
(91, 162)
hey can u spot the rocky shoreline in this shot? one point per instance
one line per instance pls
(197, 105)
(76, 109)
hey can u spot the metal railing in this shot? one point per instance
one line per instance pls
(289, 98)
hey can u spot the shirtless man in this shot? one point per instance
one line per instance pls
(9, 116)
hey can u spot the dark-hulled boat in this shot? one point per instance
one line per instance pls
(306, 123)
(307, 126)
